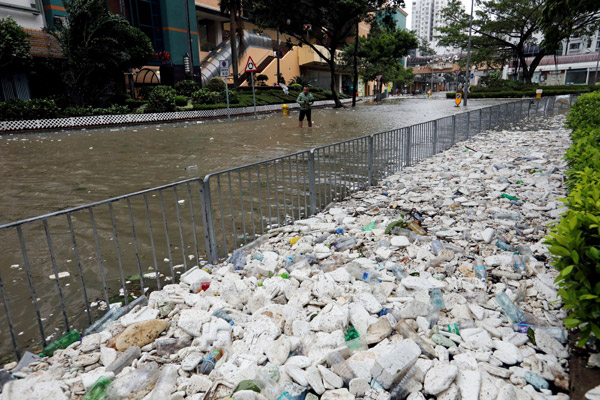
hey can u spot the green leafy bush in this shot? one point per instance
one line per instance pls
(134, 104)
(161, 99)
(575, 240)
(181, 101)
(315, 89)
(186, 88)
(12, 110)
(295, 86)
(215, 85)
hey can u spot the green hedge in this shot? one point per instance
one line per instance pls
(490, 93)
(575, 240)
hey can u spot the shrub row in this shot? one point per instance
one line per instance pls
(486, 93)
(17, 109)
(575, 240)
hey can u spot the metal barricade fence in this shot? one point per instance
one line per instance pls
(60, 270)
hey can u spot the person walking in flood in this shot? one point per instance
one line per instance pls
(305, 99)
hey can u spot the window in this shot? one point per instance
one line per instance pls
(145, 15)
(574, 46)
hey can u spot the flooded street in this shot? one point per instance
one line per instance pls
(117, 248)
(50, 171)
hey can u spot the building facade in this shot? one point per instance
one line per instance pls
(426, 21)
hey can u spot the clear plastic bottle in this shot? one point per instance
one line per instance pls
(398, 272)
(437, 299)
(339, 366)
(345, 243)
(166, 384)
(112, 315)
(519, 264)
(514, 217)
(502, 245)
(220, 313)
(556, 332)
(124, 359)
(436, 247)
(362, 274)
(480, 269)
(408, 333)
(402, 389)
(513, 313)
(202, 285)
(209, 362)
(238, 259)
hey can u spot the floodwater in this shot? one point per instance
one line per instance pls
(51, 171)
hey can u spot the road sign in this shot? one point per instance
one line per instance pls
(225, 64)
(250, 66)
(224, 72)
(458, 99)
(379, 77)
(472, 75)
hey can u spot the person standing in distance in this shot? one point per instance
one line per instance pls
(305, 99)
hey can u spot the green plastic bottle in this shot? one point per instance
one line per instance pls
(509, 197)
(61, 343)
(369, 227)
(98, 389)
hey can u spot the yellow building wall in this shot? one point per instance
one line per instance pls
(257, 54)
(209, 3)
(288, 66)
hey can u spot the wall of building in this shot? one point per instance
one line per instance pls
(24, 14)
(288, 67)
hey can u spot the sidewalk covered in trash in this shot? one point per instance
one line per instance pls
(434, 284)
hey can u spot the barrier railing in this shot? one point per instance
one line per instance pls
(61, 270)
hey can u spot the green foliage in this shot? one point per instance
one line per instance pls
(296, 86)
(181, 101)
(14, 46)
(202, 96)
(521, 91)
(215, 85)
(134, 104)
(16, 109)
(98, 46)
(262, 78)
(584, 114)
(562, 19)
(315, 89)
(299, 80)
(186, 88)
(380, 54)
(575, 240)
(161, 99)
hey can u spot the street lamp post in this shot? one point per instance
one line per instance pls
(277, 55)
(466, 91)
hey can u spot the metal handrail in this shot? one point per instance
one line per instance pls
(248, 200)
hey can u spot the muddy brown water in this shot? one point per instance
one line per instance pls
(45, 172)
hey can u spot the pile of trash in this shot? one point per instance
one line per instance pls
(435, 284)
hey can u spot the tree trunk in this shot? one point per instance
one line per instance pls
(233, 38)
(528, 74)
(355, 80)
(336, 99)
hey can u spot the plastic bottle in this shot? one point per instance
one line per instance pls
(61, 343)
(258, 256)
(353, 340)
(124, 359)
(98, 389)
(524, 250)
(556, 332)
(369, 227)
(509, 197)
(209, 362)
(220, 313)
(128, 385)
(202, 285)
(402, 389)
(267, 385)
(238, 259)
(295, 240)
(455, 327)
(502, 245)
(514, 217)
(437, 299)
(480, 269)
(398, 272)
(416, 227)
(436, 247)
(345, 243)
(519, 264)
(362, 274)
(339, 366)
(408, 333)
(166, 384)
(166, 346)
(513, 313)
(101, 324)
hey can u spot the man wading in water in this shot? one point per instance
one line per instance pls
(305, 99)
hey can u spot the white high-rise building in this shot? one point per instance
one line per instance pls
(426, 19)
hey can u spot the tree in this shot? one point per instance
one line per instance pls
(98, 47)
(14, 46)
(504, 29)
(322, 25)
(262, 78)
(233, 8)
(380, 53)
(561, 19)
(424, 48)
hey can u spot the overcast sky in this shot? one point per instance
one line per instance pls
(408, 9)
